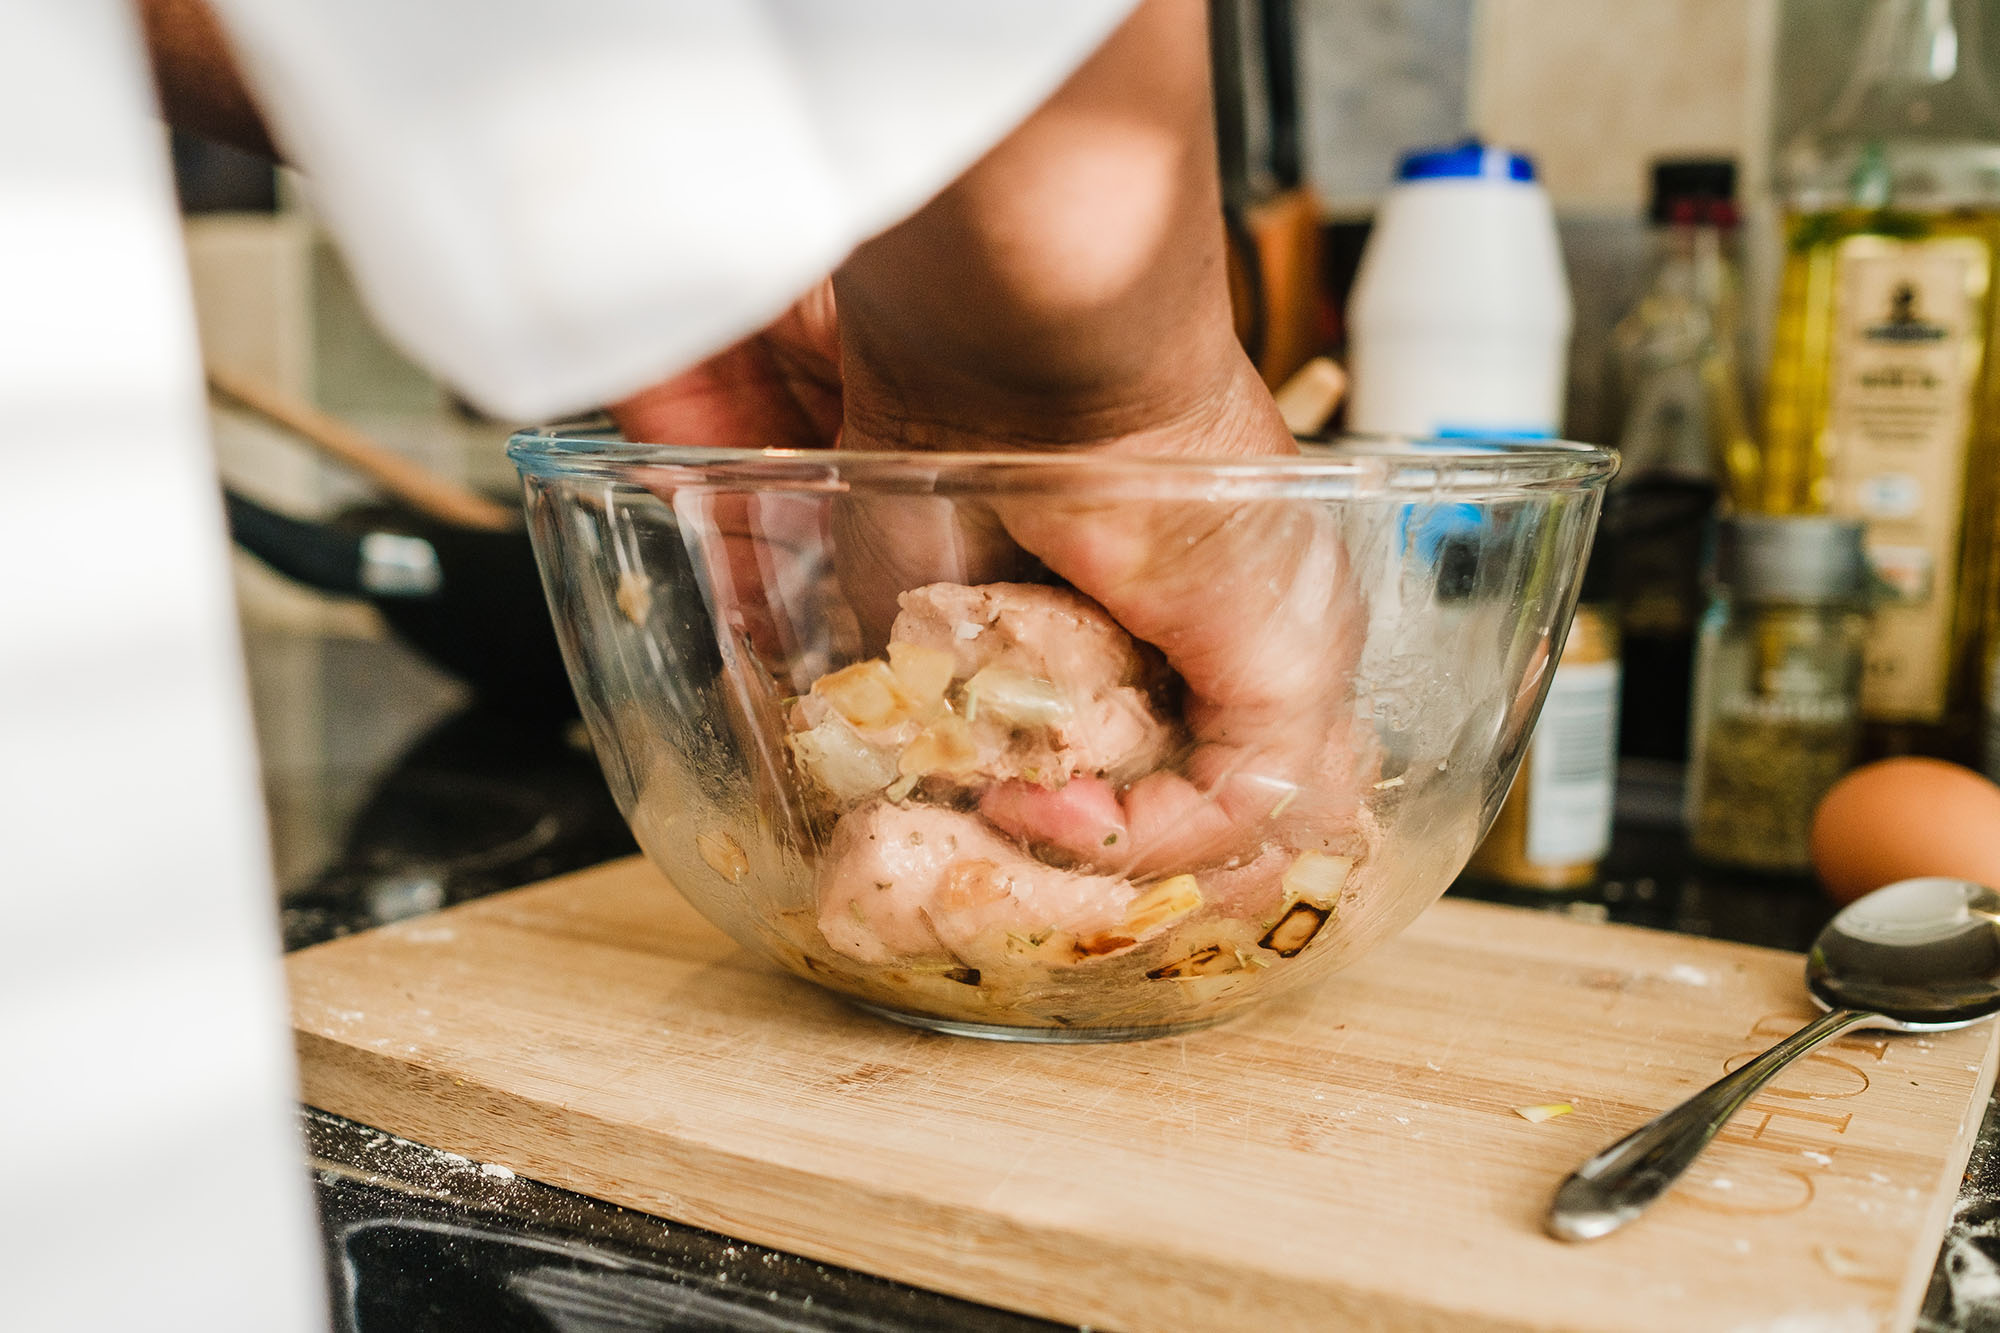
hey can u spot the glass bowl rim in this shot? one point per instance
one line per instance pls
(1462, 467)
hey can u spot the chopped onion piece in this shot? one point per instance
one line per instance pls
(723, 855)
(634, 596)
(840, 761)
(1295, 929)
(1102, 945)
(867, 694)
(1015, 697)
(1538, 1114)
(925, 673)
(1316, 877)
(945, 746)
(1166, 901)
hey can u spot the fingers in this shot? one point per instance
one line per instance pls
(763, 562)
(885, 545)
(778, 389)
(1081, 819)
(1248, 601)
(1251, 602)
(1254, 606)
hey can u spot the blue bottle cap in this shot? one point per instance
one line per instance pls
(1471, 160)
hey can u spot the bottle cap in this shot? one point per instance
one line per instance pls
(1696, 183)
(1471, 160)
(1767, 558)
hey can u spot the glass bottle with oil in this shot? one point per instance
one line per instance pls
(1883, 402)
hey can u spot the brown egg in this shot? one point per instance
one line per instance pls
(1901, 818)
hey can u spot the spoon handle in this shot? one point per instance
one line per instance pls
(1619, 1183)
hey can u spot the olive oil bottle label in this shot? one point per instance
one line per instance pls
(1907, 338)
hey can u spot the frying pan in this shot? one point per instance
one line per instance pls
(470, 600)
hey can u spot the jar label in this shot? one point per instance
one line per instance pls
(1907, 339)
(1572, 765)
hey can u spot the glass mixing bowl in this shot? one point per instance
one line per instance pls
(857, 709)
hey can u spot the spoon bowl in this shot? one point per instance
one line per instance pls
(1921, 955)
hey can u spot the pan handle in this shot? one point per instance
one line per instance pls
(367, 564)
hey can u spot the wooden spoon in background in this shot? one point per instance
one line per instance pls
(415, 485)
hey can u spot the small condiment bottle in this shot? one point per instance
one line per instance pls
(1459, 318)
(1555, 825)
(1776, 717)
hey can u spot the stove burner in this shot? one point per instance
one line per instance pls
(484, 801)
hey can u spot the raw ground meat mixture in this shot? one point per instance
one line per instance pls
(968, 782)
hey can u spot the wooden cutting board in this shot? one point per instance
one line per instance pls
(1347, 1158)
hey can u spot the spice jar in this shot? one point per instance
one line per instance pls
(1555, 825)
(1777, 691)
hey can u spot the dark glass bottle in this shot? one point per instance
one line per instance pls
(1683, 418)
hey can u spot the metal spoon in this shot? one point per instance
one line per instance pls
(1922, 955)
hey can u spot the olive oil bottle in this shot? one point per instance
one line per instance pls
(1883, 401)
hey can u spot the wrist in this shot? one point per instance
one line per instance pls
(1223, 411)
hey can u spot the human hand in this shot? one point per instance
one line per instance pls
(1069, 293)
(1250, 604)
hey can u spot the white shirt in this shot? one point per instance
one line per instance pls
(548, 203)
(552, 204)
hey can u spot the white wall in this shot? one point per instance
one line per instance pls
(1596, 90)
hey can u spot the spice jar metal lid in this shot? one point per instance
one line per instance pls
(1794, 558)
